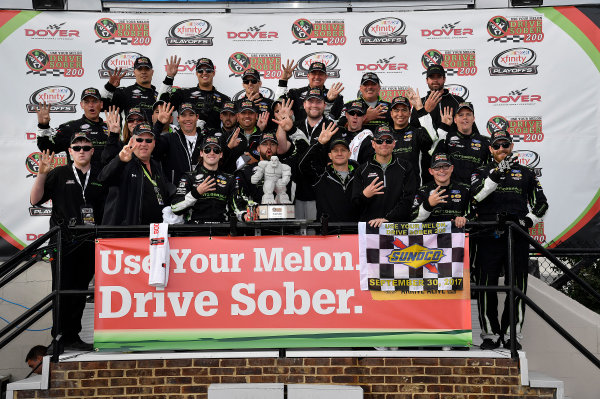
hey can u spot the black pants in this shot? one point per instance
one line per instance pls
(490, 260)
(76, 273)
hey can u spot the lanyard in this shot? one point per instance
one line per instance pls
(87, 179)
(148, 176)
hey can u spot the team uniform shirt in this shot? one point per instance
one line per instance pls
(374, 124)
(129, 97)
(262, 104)
(333, 109)
(458, 203)
(207, 103)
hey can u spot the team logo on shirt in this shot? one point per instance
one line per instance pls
(388, 30)
(253, 34)
(516, 174)
(66, 63)
(52, 31)
(521, 128)
(32, 163)
(122, 60)
(455, 62)
(331, 32)
(515, 97)
(330, 60)
(447, 31)
(514, 61)
(455, 195)
(475, 144)
(515, 29)
(59, 98)
(123, 31)
(191, 32)
(267, 64)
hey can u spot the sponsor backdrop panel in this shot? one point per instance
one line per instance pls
(533, 71)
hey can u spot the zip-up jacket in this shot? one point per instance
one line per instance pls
(448, 100)
(458, 203)
(208, 104)
(333, 109)
(131, 96)
(173, 152)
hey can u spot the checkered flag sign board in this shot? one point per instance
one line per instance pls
(409, 257)
(507, 39)
(319, 41)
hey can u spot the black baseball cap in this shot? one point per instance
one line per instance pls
(467, 105)
(369, 77)
(315, 93)
(501, 135)
(135, 111)
(338, 139)
(91, 92)
(356, 106)
(401, 100)
(440, 159)
(247, 105)
(186, 107)
(228, 106)
(383, 130)
(317, 66)
(80, 136)
(268, 136)
(156, 104)
(435, 68)
(142, 128)
(204, 62)
(251, 73)
(141, 62)
(211, 140)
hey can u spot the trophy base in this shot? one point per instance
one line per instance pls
(276, 211)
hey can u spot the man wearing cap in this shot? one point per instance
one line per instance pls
(58, 140)
(138, 189)
(503, 189)
(317, 75)
(384, 187)
(77, 199)
(142, 93)
(332, 183)
(205, 98)
(252, 84)
(208, 194)
(378, 111)
(167, 126)
(442, 199)
(466, 148)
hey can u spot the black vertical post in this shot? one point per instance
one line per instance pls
(511, 294)
(56, 299)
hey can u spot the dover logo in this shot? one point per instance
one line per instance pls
(387, 30)
(265, 91)
(330, 60)
(531, 159)
(447, 31)
(320, 32)
(191, 32)
(58, 97)
(53, 31)
(123, 60)
(123, 31)
(515, 97)
(54, 63)
(515, 29)
(269, 64)
(385, 65)
(522, 128)
(253, 34)
(514, 61)
(456, 62)
(458, 90)
(32, 163)
(416, 256)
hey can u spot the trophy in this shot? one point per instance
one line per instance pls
(275, 202)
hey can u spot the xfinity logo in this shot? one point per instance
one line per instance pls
(514, 61)
(388, 30)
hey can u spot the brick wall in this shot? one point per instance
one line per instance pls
(380, 378)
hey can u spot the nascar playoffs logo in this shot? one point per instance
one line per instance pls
(515, 29)
(531, 159)
(191, 32)
(330, 60)
(521, 128)
(123, 31)
(122, 60)
(253, 34)
(515, 97)
(387, 64)
(455, 62)
(458, 90)
(268, 64)
(387, 30)
(319, 32)
(59, 98)
(54, 63)
(514, 61)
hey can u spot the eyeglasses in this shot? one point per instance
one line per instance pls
(135, 120)
(497, 146)
(78, 148)
(141, 140)
(442, 167)
(354, 113)
(204, 70)
(248, 81)
(216, 150)
(381, 141)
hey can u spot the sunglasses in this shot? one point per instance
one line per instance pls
(78, 148)
(442, 167)
(216, 150)
(381, 141)
(248, 81)
(141, 140)
(204, 70)
(354, 113)
(497, 146)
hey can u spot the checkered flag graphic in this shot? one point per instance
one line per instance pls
(47, 72)
(316, 40)
(451, 72)
(506, 39)
(378, 274)
(116, 40)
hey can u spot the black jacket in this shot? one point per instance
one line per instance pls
(173, 152)
(208, 104)
(131, 96)
(333, 109)
(448, 100)
(458, 203)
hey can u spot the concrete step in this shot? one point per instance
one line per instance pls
(540, 380)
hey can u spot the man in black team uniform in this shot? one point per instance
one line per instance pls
(77, 199)
(142, 93)
(252, 84)
(503, 189)
(58, 140)
(207, 100)
(378, 111)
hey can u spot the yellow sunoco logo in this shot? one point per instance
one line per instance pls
(416, 256)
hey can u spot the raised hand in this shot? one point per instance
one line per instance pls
(414, 98)
(114, 77)
(327, 133)
(288, 70)
(113, 119)
(45, 162)
(172, 65)
(334, 91)
(436, 196)
(207, 185)
(433, 100)
(446, 114)
(164, 112)
(375, 188)
(43, 113)
(262, 121)
(127, 151)
(233, 141)
(375, 113)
